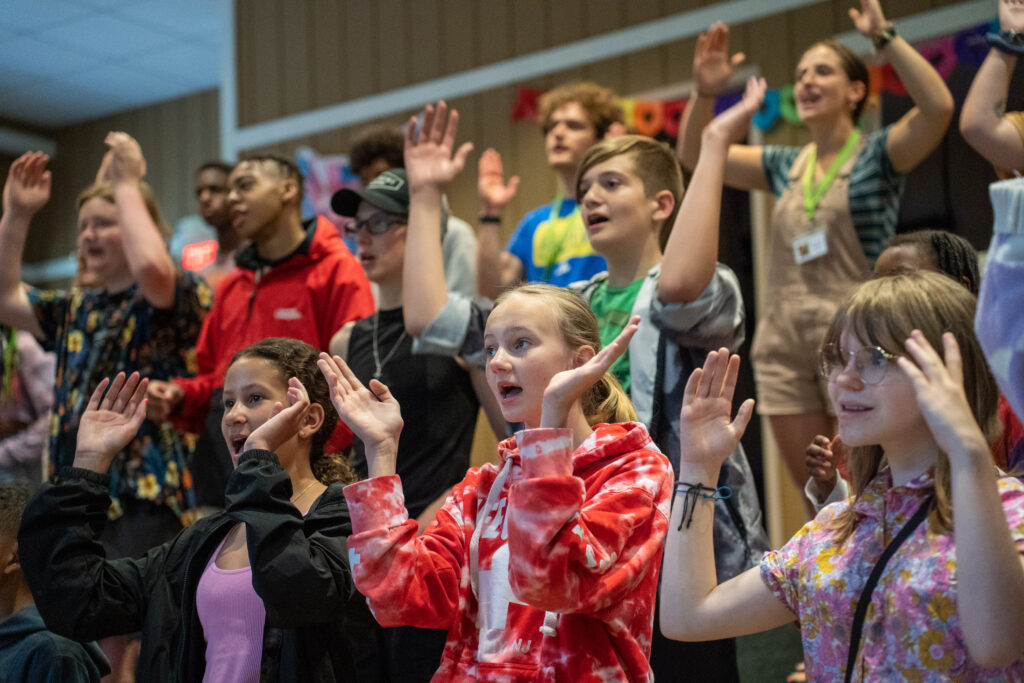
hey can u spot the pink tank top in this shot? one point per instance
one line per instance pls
(232, 615)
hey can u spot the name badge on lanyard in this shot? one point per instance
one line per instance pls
(813, 243)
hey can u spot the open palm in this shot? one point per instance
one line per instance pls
(28, 184)
(108, 425)
(494, 193)
(713, 67)
(707, 435)
(428, 155)
(733, 124)
(284, 423)
(869, 21)
(371, 413)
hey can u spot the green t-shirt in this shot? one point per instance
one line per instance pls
(612, 307)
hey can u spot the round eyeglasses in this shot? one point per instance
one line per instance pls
(869, 362)
(377, 224)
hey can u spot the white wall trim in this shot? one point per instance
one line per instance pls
(228, 87)
(516, 70)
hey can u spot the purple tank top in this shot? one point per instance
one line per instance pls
(232, 615)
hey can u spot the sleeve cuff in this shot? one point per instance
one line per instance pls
(377, 503)
(1008, 206)
(545, 452)
(81, 474)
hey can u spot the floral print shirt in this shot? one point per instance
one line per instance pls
(911, 630)
(96, 334)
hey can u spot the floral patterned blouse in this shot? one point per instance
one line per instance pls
(95, 335)
(911, 630)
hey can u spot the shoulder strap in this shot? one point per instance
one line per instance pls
(876, 573)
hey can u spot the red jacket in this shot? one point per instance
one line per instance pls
(309, 296)
(543, 570)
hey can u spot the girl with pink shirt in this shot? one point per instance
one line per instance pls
(260, 592)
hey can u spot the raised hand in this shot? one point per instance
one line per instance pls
(940, 394)
(284, 423)
(123, 162)
(869, 20)
(371, 413)
(28, 184)
(107, 426)
(566, 387)
(821, 458)
(733, 124)
(707, 435)
(494, 193)
(712, 66)
(1011, 15)
(429, 161)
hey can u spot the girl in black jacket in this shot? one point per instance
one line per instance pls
(285, 522)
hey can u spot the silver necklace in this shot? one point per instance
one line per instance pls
(378, 363)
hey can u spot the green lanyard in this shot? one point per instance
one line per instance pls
(812, 193)
(556, 210)
(5, 385)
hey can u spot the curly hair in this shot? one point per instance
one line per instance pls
(377, 142)
(600, 103)
(952, 255)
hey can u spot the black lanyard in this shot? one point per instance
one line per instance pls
(876, 573)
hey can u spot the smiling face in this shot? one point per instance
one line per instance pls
(885, 413)
(525, 349)
(822, 89)
(100, 243)
(381, 255)
(251, 388)
(569, 134)
(615, 207)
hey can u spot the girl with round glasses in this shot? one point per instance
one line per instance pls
(920, 575)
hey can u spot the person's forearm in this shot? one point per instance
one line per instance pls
(923, 83)
(698, 113)
(424, 289)
(488, 260)
(13, 231)
(381, 458)
(688, 572)
(990, 577)
(981, 119)
(692, 250)
(144, 248)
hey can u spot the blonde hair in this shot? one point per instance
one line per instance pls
(606, 401)
(883, 312)
(653, 163)
(105, 191)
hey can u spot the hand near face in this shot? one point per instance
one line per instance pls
(428, 156)
(712, 66)
(822, 456)
(939, 387)
(107, 426)
(284, 423)
(371, 413)
(733, 124)
(567, 386)
(1011, 15)
(123, 162)
(707, 435)
(28, 184)
(869, 20)
(494, 193)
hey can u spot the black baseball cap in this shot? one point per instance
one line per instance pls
(388, 191)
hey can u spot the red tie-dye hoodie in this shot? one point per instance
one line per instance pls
(544, 569)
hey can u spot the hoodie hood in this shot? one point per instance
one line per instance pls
(319, 233)
(22, 625)
(606, 441)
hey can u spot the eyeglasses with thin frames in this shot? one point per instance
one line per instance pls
(377, 224)
(869, 362)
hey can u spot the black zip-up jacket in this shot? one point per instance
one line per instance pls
(315, 618)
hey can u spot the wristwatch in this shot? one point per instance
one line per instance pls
(884, 37)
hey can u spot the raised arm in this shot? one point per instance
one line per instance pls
(713, 70)
(983, 121)
(920, 130)
(430, 165)
(150, 264)
(693, 605)
(26, 191)
(692, 250)
(496, 269)
(989, 566)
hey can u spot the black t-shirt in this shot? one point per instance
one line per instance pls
(439, 408)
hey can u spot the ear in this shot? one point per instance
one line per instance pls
(311, 421)
(13, 563)
(582, 355)
(858, 91)
(664, 203)
(616, 129)
(290, 191)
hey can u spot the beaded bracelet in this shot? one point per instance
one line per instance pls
(692, 493)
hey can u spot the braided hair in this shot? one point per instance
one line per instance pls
(953, 255)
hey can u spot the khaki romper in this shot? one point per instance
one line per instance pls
(801, 299)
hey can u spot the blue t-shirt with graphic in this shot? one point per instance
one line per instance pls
(557, 250)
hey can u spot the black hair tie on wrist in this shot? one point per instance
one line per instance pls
(694, 491)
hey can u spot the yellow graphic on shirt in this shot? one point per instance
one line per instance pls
(560, 239)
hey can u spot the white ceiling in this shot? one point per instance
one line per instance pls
(64, 61)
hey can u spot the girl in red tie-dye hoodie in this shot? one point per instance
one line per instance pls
(543, 567)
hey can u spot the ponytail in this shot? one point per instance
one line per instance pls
(607, 401)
